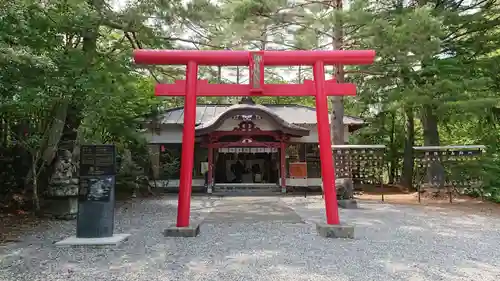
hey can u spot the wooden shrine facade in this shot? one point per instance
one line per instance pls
(242, 130)
(286, 133)
(258, 130)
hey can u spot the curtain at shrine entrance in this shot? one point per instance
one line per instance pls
(259, 167)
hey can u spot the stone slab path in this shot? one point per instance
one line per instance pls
(252, 210)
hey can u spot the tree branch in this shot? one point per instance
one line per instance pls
(136, 45)
(192, 42)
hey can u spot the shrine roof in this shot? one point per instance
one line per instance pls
(244, 109)
(289, 113)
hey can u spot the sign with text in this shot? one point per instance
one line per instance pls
(96, 191)
(96, 188)
(298, 170)
(97, 160)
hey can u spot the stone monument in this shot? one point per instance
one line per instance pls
(96, 198)
(62, 192)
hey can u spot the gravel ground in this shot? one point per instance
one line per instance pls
(392, 243)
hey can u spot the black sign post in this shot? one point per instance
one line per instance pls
(97, 191)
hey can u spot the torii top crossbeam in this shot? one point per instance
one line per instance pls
(256, 60)
(243, 58)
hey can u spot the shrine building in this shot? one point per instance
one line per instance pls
(266, 139)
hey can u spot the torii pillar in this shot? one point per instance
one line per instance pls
(191, 87)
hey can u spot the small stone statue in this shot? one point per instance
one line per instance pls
(63, 183)
(344, 188)
(62, 200)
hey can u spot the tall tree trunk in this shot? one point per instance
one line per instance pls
(36, 199)
(435, 173)
(393, 148)
(89, 48)
(4, 131)
(54, 132)
(407, 177)
(337, 121)
(47, 148)
(430, 126)
(63, 182)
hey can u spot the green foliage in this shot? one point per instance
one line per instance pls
(171, 166)
(437, 58)
(74, 54)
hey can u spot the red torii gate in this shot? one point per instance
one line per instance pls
(191, 87)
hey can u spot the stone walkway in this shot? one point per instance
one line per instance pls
(262, 239)
(252, 210)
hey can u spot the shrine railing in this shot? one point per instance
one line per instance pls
(364, 164)
(457, 169)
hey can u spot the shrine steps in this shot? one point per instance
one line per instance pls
(246, 189)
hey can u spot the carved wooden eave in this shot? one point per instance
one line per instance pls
(249, 110)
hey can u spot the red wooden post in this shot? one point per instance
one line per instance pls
(325, 150)
(210, 165)
(283, 165)
(188, 135)
(192, 87)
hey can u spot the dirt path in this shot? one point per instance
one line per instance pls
(14, 226)
(462, 203)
